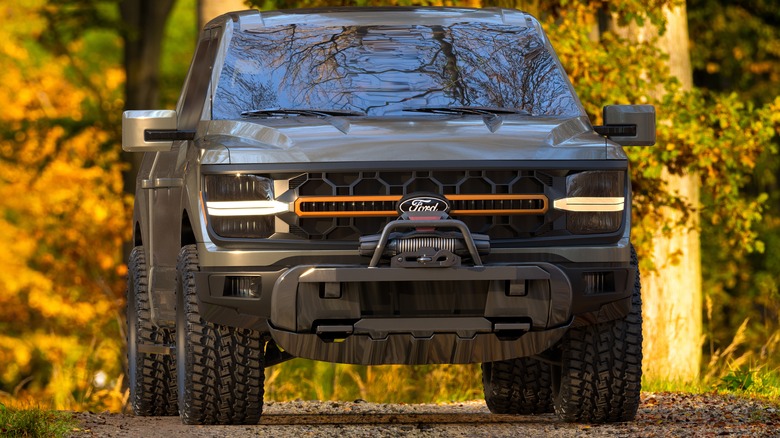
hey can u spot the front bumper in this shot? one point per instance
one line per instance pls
(350, 313)
(353, 314)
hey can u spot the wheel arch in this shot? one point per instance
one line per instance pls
(137, 236)
(187, 231)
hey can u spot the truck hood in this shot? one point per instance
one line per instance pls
(413, 138)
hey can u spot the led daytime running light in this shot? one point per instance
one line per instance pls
(246, 208)
(590, 204)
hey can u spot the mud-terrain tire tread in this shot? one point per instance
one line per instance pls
(601, 370)
(520, 386)
(152, 376)
(222, 367)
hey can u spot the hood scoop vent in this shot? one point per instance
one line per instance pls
(339, 123)
(493, 122)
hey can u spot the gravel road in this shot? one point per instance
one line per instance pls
(660, 415)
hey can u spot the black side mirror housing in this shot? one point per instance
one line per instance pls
(629, 125)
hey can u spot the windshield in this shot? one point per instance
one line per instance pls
(380, 70)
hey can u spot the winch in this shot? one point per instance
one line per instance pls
(432, 242)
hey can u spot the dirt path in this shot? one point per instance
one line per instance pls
(660, 414)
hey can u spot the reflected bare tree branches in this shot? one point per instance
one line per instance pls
(385, 69)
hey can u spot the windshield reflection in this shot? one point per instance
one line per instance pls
(382, 70)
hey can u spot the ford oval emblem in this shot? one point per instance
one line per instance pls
(423, 203)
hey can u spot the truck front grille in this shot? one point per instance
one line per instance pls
(503, 204)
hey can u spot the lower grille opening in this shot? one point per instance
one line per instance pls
(423, 299)
(598, 282)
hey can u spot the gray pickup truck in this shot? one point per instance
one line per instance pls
(383, 186)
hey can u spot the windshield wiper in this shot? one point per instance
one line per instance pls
(461, 110)
(277, 112)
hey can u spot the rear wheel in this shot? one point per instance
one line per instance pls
(599, 380)
(220, 373)
(518, 386)
(152, 376)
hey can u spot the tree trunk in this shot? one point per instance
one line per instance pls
(143, 35)
(672, 295)
(143, 32)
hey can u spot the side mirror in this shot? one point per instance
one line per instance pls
(151, 131)
(629, 125)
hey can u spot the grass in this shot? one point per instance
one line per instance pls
(738, 369)
(747, 382)
(34, 422)
(759, 382)
(696, 387)
(311, 380)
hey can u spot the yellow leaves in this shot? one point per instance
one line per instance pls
(114, 78)
(38, 92)
(57, 306)
(14, 351)
(64, 217)
(113, 398)
(16, 277)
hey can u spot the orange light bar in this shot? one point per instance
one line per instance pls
(299, 205)
(348, 199)
(505, 211)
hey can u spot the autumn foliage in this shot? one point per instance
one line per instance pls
(63, 219)
(64, 216)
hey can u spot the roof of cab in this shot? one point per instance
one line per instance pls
(374, 16)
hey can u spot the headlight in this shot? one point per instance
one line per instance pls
(594, 201)
(241, 206)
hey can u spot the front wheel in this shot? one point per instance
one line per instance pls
(600, 376)
(220, 372)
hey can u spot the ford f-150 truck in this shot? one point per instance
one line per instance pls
(383, 186)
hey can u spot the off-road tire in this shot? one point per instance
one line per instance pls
(601, 367)
(220, 373)
(152, 376)
(518, 386)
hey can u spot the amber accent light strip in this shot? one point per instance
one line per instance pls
(506, 211)
(300, 205)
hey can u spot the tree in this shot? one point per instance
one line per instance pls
(63, 212)
(143, 32)
(673, 326)
(742, 291)
(750, 63)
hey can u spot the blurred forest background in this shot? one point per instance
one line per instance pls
(68, 69)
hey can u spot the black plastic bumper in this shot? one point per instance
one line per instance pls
(356, 314)
(349, 314)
